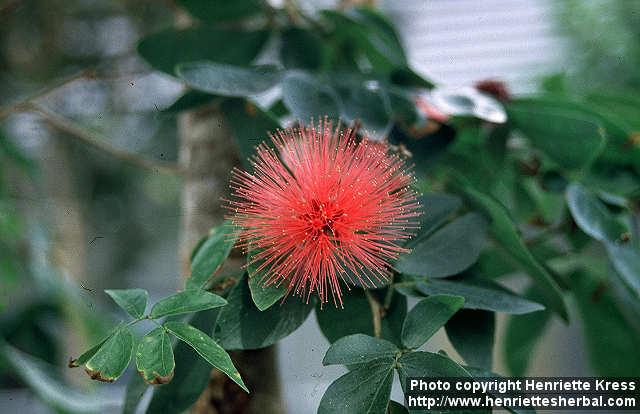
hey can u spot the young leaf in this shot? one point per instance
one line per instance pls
(448, 251)
(211, 254)
(365, 390)
(191, 300)
(592, 216)
(472, 334)
(241, 325)
(207, 348)
(228, 80)
(506, 233)
(358, 349)
(134, 301)
(427, 317)
(480, 294)
(154, 357)
(113, 357)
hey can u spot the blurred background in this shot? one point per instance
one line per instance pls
(76, 219)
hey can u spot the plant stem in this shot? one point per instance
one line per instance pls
(94, 140)
(20, 106)
(388, 297)
(375, 313)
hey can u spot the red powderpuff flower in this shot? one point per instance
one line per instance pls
(323, 208)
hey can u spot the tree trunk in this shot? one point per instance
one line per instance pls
(68, 235)
(207, 154)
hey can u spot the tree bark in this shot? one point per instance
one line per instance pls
(207, 154)
(68, 243)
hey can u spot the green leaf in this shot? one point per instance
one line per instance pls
(369, 37)
(154, 357)
(165, 50)
(50, 389)
(306, 97)
(368, 105)
(427, 148)
(506, 234)
(357, 311)
(207, 348)
(612, 341)
(594, 219)
(241, 325)
(190, 300)
(480, 294)
(113, 357)
(396, 408)
(136, 388)
(222, 10)
(437, 207)
(403, 108)
(263, 296)
(134, 301)
(190, 100)
(449, 251)
(228, 80)
(571, 139)
(606, 114)
(365, 390)
(358, 349)
(428, 364)
(472, 334)
(250, 125)
(82, 359)
(211, 254)
(429, 315)
(192, 373)
(478, 373)
(626, 261)
(302, 49)
(522, 334)
(372, 18)
(592, 215)
(405, 76)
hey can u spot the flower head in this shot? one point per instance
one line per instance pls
(323, 208)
